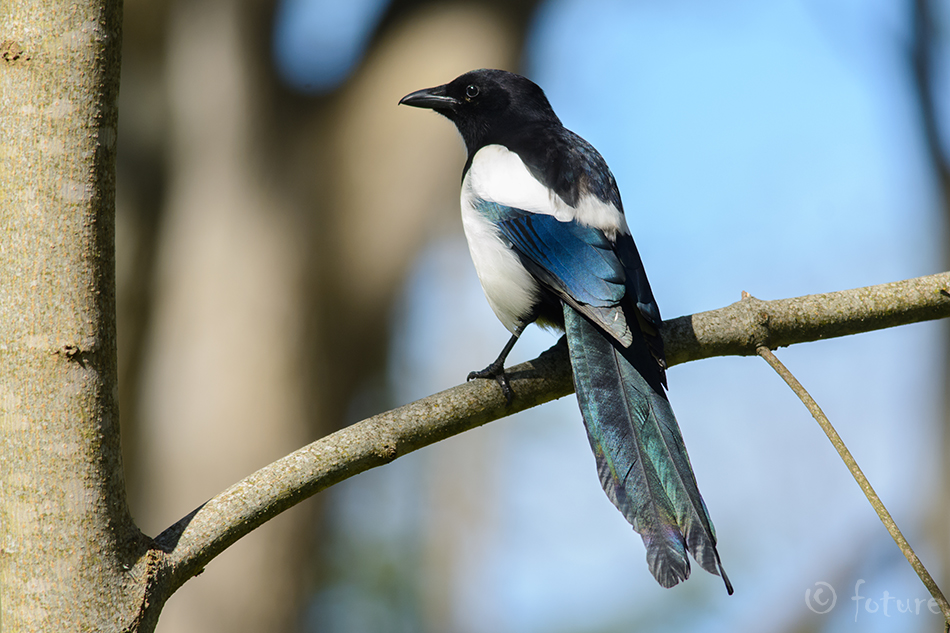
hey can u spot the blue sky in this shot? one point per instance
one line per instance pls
(767, 147)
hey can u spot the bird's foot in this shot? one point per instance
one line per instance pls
(497, 372)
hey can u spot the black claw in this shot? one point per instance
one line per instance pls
(499, 375)
(502, 380)
(497, 369)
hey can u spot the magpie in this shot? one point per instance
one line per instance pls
(546, 231)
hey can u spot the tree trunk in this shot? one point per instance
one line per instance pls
(68, 547)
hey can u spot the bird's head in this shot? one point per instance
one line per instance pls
(487, 105)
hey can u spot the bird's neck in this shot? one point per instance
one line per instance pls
(519, 137)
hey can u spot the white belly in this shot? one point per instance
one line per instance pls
(510, 289)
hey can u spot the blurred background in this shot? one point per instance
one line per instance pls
(290, 261)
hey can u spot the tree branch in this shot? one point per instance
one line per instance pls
(739, 329)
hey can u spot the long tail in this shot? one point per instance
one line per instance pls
(641, 458)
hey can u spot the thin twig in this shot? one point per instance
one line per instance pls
(863, 482)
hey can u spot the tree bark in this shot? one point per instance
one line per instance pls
(68, 546)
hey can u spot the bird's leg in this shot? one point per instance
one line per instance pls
(497, 370)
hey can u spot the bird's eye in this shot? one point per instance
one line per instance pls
(471, 91)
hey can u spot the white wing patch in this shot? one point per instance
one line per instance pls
(499, 175)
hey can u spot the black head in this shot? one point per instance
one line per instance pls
(487, 106)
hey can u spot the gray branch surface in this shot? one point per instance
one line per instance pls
(186, 547)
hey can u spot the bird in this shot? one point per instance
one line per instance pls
(545, 227)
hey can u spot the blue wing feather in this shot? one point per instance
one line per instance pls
(575, 261)
(580, 257)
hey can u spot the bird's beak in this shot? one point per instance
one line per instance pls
(434, 98)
